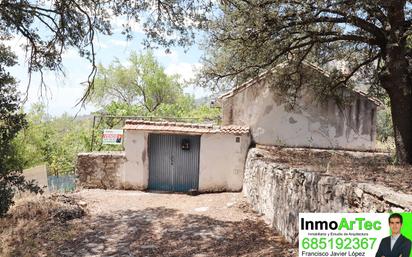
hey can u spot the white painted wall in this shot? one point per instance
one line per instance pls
(311, 124)
(221, 163)
(38, 173)
(136, 168)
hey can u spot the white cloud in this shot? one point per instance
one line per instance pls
(60, 96)
(102, 45)
(161, 54)
(186, 71)
(117, 42)
(97, 41)
(118, 23)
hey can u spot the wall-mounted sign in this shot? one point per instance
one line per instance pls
(112, 136)
(185, 144)
(343, 234)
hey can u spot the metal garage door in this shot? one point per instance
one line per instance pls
(173, 162)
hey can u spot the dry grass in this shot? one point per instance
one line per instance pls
(143, 224)
(350, 166)
(37, 224)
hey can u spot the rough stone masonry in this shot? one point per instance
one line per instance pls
(280, 192)
(100, 170)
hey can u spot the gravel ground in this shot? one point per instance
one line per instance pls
(132, 223)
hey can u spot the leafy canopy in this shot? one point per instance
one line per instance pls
(142, 82)
(54, 141)
(250, 36)
(369, 39)
(50, 28)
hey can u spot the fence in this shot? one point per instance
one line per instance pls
(65, 183)
(103, 121)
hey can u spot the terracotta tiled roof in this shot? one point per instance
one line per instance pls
(181, 127)
(233, 129)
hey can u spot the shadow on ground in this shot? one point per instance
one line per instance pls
(166, 232)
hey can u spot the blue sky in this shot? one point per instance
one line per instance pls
(63, 92)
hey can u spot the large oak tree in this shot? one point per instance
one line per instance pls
(369, 38)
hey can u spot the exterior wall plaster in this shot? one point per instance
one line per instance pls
(222, 162)
(309, 124)
(136, 172)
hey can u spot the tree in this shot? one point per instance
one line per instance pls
(32, 143)
(384, 129)
(144, 82)
(49, 28)
(54, 141)
(371, 38)
(52, 27)
(11, 122)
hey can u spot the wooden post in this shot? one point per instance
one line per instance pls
(92, 143)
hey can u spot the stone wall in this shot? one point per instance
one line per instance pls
(100, 170)
(281, 192)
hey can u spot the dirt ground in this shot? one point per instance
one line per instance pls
(132, 223)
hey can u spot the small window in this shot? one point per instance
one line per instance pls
(237, 139)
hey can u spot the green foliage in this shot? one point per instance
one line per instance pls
(123, 109)
(143, 82)
(52, 27)
(32, 142)
(144, 90)
(384, 129)
(11, 122)
(183, 106)
(206, 113)
(54, 141)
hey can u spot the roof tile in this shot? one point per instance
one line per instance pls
(178, 127)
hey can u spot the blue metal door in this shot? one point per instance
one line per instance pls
(173, 162)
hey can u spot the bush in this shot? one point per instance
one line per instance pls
(11, 122)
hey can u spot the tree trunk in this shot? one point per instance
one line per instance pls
(397, 80)
(401, 108)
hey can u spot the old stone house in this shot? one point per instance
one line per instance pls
(309, 124)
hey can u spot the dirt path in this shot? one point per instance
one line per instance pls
(130, 223)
